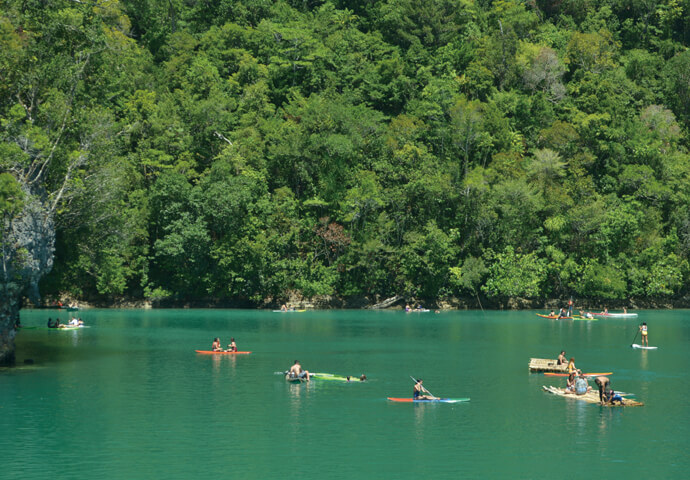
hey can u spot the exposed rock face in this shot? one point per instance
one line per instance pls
(28, 244)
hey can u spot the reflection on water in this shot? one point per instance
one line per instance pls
(644, 360)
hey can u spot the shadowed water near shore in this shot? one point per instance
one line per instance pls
(129, 398)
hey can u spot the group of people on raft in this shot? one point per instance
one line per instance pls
(577, 382)
(216, 346)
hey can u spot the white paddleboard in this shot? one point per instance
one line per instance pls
(634, 345)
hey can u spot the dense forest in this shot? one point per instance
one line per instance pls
(243, 151)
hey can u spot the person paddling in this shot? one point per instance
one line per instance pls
(643, 331)
(417, 393)
(296, 371)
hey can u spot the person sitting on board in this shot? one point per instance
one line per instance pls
(570, 383)
(232, 346)
(581, 386)
(216, 345)
(283, 308)
(417, 393)
(362, 378)
(552, 314)
(407, 308)
(75, 322)
(563, 313)
(603, 383)
(561, 360)
(296, 371)
(643, 331)
(611, 397)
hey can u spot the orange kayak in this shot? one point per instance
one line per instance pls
(211, 352)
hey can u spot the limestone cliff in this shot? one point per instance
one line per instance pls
(27, 255)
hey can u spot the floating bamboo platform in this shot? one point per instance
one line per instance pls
(590, 397)
(546, 365)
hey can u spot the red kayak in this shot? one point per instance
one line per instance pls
(551, 374)
(211, 352)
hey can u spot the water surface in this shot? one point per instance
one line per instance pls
(129, 398)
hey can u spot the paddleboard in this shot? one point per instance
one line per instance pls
(337, 378)
(211, 352)
(552, 374)
(436, 400)
(289, 311)
(634, 345)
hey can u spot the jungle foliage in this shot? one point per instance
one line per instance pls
(246, 149)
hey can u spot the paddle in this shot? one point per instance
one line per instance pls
(427, 391)
(635, 337)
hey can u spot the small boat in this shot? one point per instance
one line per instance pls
(289, 311)
(433, 400)
(295, 379)
(635, 345)
(211, 352)
(590, 397)
(585, 374)
(554, 317)
(417, 310)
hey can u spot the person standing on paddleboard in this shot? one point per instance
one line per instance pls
(643, 331)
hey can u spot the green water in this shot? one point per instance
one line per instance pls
(129, 399)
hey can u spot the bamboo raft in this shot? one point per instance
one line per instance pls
(546, 365)
(590, 397)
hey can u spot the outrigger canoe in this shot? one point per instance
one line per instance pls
(551, 374)
(590, 397)
(433, 400)
(211, 352)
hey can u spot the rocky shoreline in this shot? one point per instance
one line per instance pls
(326, 302)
